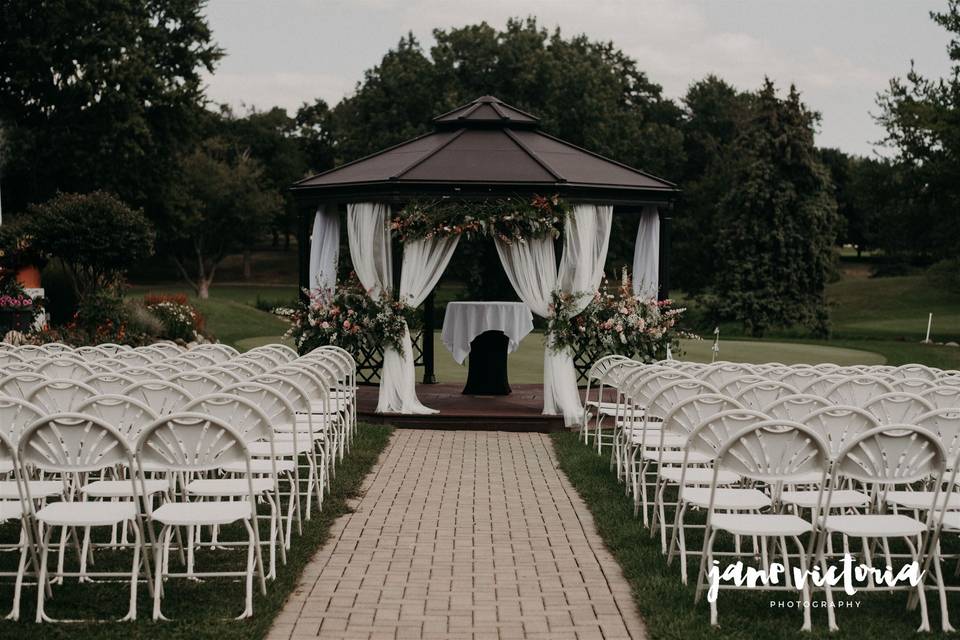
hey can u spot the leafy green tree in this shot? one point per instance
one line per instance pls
(100, 94)
(96, 236)
(776, 223)
(220, 206)
(715, 113)
(922, 121)
(270, 138)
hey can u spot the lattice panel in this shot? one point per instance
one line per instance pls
(370, 359)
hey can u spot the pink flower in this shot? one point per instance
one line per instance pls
(346, 324)
(324, 325)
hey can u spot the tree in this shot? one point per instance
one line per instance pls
(95, 235)
(776, 222)
(220, 206)
(715, 114)
(269, 137)
(100, 94)
(922, 121)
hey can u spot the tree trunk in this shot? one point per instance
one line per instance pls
(247, 265)
(203, 288)
(286, 240)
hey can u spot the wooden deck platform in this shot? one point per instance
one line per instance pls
(519, 411)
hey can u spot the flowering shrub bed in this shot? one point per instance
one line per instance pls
(615, 321)
(180, 320)
(350, 319)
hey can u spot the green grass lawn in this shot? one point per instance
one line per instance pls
(874, 320)
(893, 308)
(199, 610)
(667, 606)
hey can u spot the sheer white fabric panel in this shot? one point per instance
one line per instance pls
(531, 269)
(585, 241)
(646, 255)
(369, 235)
(324, 250)
(424, 261)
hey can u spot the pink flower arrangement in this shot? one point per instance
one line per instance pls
(15, 302)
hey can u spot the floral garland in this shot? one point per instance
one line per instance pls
(509, 219)
(616, 322)
(350, 319)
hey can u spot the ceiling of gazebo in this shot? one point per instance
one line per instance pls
(486, 147)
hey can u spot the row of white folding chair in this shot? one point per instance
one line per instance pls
(260, 390)
(773, 453)
(74, 445)
(752, 500)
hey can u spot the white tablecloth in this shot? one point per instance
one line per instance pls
(464, 321)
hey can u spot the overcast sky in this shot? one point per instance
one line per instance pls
(840, 53)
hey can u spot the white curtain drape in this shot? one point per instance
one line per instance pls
(324, 250)
(531, 269)
(646, 255)
(424, 261)
(369, 236)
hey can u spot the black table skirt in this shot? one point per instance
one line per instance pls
(487, 365)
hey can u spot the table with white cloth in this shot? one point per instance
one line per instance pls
(487, 332)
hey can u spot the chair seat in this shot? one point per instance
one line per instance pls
(10, 510)
(86, 514)
(260, 466)
(738, 499)
(842, 499)
(184, 513)
(653, 440)
(810, 477)
(6, 466)
(675, 457)
(280, 447)
(228, 487)
(746, 524)
(334, 406)
(122, 488)
(38, 489)
(921, 500)
(951, 521)
(698, 475)
(875, 525)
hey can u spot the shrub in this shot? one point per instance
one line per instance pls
(95, 235)
(946, 275)
(180, 320)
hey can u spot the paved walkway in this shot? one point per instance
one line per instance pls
(463, 534)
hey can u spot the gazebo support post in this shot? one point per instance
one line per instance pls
(427, 337)
(663, 269)
(304, 221)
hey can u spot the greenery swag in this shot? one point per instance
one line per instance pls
(512, 219)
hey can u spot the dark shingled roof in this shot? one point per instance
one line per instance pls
(486, 146)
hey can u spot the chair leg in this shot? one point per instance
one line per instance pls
(134, 575)
(42, 579)
(21, 570)
(160, 566)
(253, 547)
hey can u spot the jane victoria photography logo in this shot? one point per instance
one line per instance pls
(849, 573)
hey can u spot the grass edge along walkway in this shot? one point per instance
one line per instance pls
(368, 444)
(666, 605)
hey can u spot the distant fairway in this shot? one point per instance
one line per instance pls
(526, 364)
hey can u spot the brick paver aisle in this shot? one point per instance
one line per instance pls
(463, 534)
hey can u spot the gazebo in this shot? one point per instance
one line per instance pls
(480, 151)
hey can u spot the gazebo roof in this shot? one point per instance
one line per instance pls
(486, 148)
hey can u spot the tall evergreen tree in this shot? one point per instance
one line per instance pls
(776, 223)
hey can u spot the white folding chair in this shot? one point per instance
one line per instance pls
(60, 396)
(189, 444)
(770, 452)
(857, 391)
(887, 456)
(73, 444)
(162, 396)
